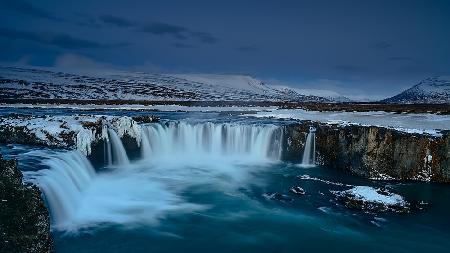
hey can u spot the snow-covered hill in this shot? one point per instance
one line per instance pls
(118, 85)
(434, 90)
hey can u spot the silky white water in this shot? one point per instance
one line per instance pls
(309, 154)
(119, 154)
(243, 142)
(68, 176)
(175, 157)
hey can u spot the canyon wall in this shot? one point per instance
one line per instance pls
(374, 152)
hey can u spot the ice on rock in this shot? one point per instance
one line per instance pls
(371, 199)
(79, 129)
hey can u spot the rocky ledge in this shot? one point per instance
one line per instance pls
(74, 131)
(24, 219)
(373, 152)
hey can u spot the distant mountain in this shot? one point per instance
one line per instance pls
(434, 90)
(25, 83)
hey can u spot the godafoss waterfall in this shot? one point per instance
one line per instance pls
(118, 181)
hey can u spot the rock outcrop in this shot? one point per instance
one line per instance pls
(24, 219)
(74, 131)
(374, 200)
(374, 152)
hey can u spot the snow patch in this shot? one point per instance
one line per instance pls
(369, 194)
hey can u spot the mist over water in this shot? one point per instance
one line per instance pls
(174, 158)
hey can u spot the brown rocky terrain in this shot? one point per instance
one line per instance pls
(375, 152)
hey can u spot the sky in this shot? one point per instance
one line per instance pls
(361, 49)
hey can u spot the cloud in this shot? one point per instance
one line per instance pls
(401, 58)
(79, 62)
(330, 87)
(382, 45)
(247, 48)
(60, 40)
(117, 21)
(182, 45)
(159, 28)
(28, 9)
(205, 37)
(348, 68)
(85, 64)
(178, 32)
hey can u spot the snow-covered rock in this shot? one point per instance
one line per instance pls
(75, 131)
(371, 199)
(434, 90)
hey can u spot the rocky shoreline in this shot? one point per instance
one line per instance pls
(24, 219)
(374, 152)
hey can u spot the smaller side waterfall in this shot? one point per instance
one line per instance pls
(118, 151)
(309, 154)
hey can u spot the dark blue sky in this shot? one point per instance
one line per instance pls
(358, 48)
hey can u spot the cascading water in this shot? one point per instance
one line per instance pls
(119, 154)
(175, 156)
(63, 184)
(212, 139)
(309, 154)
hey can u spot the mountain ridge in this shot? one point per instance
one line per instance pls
(28, 83)
(432, 90)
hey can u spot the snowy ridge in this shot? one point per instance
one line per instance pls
(434, 90)
(327, 94)
(73, 131)
(118, 85)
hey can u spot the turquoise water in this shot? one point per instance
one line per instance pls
(224, 206)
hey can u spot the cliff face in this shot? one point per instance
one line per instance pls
(24, 219)
(374, 152)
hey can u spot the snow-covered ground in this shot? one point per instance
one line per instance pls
(119, 85)
(405, 122)
(137, 107)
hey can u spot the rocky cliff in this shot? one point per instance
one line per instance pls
(24, 219)
(374, 152)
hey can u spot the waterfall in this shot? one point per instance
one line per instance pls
(309, 154)
(211, 139)
(176, 156)
(63, 184)
(118, 151)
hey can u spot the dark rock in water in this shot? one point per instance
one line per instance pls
(146, 118)
(277, 196)
(24, 219)
(370, 199)
(297, 190)
(421, 205)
